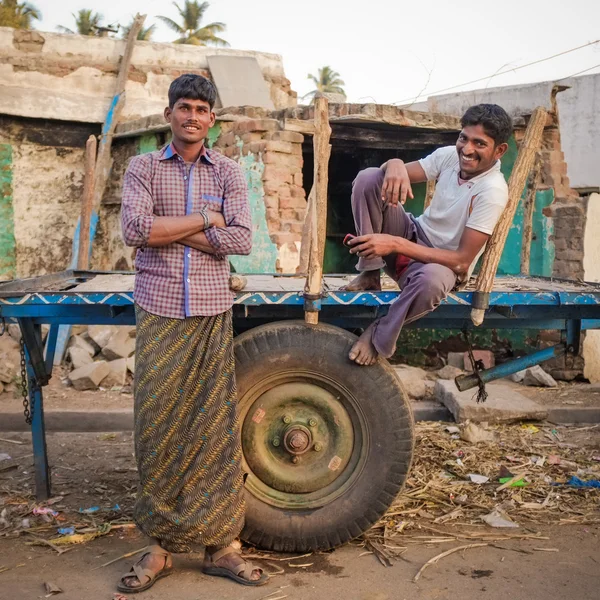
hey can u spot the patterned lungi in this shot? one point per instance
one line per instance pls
(187, 439)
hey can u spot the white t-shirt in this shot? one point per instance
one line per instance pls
(476, 203)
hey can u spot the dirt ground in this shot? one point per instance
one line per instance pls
(552, 556)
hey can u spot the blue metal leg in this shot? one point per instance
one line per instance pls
(466, 382)
(38, 430)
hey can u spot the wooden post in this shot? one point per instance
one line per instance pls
(429, 194)
(83, 254)
(318, 217)
(302, 268)
(529, 208)
(104, 162)
(491, 257)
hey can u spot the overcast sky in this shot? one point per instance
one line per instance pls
(388, 51)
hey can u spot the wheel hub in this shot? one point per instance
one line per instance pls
(297, 440)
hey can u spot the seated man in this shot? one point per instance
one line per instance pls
(426, 255)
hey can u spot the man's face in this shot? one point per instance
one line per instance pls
(190, 120)
(477, 151)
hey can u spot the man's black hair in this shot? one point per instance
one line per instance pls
(494, 120)
(194, 87)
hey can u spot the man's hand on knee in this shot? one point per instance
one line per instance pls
(374, 245)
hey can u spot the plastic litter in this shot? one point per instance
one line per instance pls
(44, 510)
(90, 510)
(478, 478)
(518, 483)
(498, 518)
(4, 456)
(66, 530)
(576, 482)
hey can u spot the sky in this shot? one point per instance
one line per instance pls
(388, 51)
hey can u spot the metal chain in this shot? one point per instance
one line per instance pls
(478, 366)
(27, 408)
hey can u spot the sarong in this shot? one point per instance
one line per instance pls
(187, 438)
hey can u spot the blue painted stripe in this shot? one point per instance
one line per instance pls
(110, 115)
(212, 198)
(186, 249)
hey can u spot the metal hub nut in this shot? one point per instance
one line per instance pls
(312, 423)
(297, 439)
(287, 419)
(318, 447)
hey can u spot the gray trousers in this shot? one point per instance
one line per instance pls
(423, 286)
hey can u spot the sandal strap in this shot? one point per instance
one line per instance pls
(223, 552)
(246, 569)
(140, 572)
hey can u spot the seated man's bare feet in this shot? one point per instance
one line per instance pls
(366, 281)
(363, 352)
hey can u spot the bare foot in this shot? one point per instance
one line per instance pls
(367, 280)
(363, 352)
(153, 562)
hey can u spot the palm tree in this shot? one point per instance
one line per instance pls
(18, 14)
(86, 23)
(190, 31)
(145, 34)
(327, 81)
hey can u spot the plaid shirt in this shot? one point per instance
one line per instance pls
(178, 281)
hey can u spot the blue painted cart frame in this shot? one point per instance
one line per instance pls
(516, 303)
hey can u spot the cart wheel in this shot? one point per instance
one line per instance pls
(327, 444)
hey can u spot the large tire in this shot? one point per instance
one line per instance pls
(327, 443)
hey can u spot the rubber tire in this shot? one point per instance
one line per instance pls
(288, 345)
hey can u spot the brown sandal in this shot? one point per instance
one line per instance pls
(240, 574)
(145, 574)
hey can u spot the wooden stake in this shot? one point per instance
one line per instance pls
(104, 162)
(302, 268)
(429, 193)
(83, 255)
(529, 208)
(322, 151)
(525, 159)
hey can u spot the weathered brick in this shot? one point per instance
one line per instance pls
(284, 238)
(274, 173)
(298, 192)
(278, 146)
(271, 201)
(250, 125)
(285, 161)
(287, 214)
(284, 191)
(291, 203)
(271, 188)
(255, 147)
(301, 214)
(248, 138)
(272, 215)
(227, 139)
(298, 179)
(287, 136)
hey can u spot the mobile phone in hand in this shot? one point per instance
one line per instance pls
(348, 237)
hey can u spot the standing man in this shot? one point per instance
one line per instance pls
(426, 255)
(186, 208)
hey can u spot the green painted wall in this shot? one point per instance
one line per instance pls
(263, 258)
(147, 143)
(8, 261)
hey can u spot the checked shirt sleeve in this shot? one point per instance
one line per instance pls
(236, 237)
(137, 207)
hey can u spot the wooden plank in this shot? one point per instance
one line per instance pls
(104, 160)
(525, 159)
(83, 255)
(322, 151)
(529, 207)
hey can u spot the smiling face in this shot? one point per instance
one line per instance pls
(190, 121)
(477, 151)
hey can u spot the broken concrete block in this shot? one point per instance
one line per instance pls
(117, 375)
(537, 376)
(447, 372)
(504, 404)
(89, 377)
(78, 341)
(518, 376)
(79, 357)
(485, 356)
(413, 380)
(120, 345)
(8, 371)
(131, 364)
(456, 359)
(101, 334)
(15, 332)
(474, 434)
